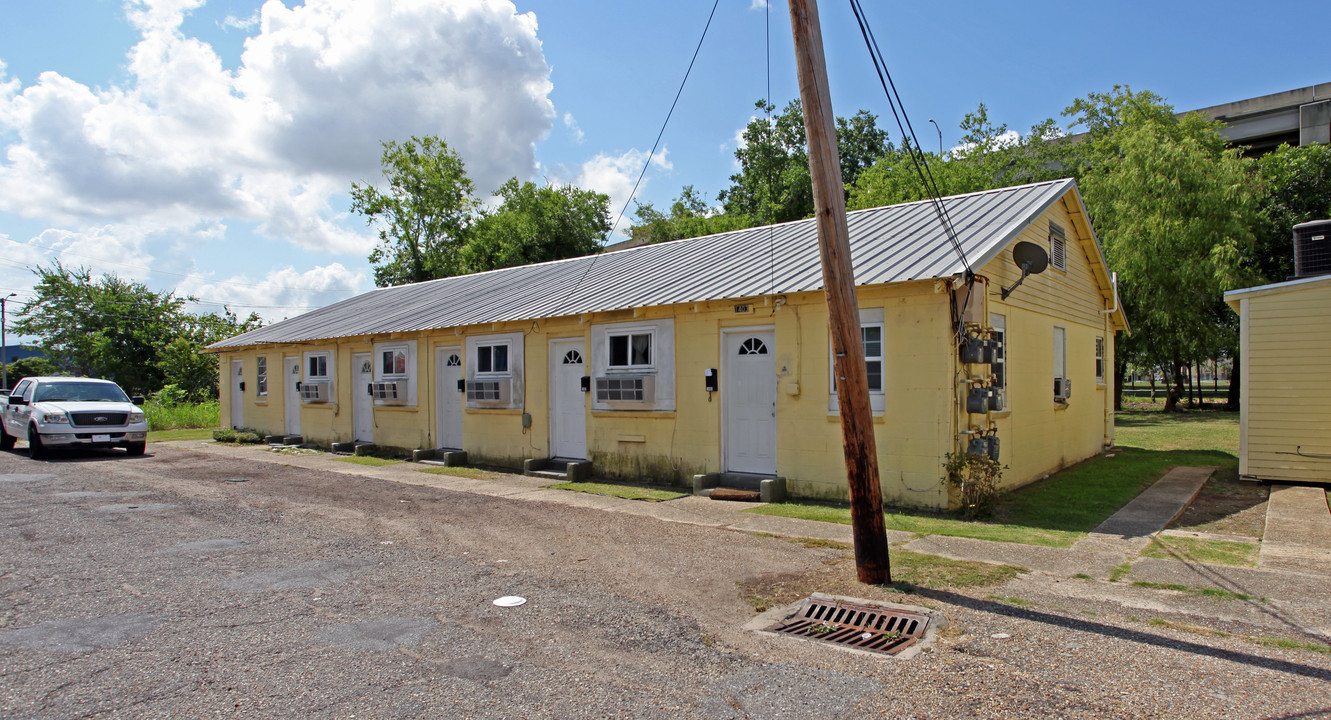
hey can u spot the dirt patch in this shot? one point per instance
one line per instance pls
(1226, 506)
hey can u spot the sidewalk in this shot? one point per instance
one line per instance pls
(1298, 530)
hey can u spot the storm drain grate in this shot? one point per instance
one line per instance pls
(863, 627)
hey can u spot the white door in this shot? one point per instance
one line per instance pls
(291, 394)
(568, 404)
(237, 395)
(748, 401)
(448, 401)
(362, 402)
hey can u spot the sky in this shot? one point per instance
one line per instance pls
(207, 147)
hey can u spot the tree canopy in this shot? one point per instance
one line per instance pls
(113, 328)
(431, 226)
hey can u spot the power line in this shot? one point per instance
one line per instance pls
(54, 251)
(916, 154)
(650, 155)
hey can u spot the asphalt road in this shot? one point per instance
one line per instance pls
(187, 585)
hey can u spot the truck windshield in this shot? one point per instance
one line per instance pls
(80, 392)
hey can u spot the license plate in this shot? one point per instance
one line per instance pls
(101, 438)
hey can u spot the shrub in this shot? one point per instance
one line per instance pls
(978, 478)
(181, 415)
(243, 436)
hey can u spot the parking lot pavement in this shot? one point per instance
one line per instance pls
(185, 584)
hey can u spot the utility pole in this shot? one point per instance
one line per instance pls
(4, 345)
(866, 498)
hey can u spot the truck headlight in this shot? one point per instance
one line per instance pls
(55, 417)
(137, 416)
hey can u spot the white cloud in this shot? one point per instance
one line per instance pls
(614, 175)
(281, 293)
(572, 125)
(186, 142)
(1011, 138)
(231, 21)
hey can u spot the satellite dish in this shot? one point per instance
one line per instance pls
(1031, 258)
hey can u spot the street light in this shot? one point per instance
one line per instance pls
(4, 345)
(940, 137)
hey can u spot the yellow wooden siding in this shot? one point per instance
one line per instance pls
(1040, 436)
(1287, 369)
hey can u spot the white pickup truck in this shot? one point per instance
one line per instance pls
(68, 412)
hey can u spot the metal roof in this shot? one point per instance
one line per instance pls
(889, 244)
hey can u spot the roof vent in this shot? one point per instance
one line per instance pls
(1312, 249)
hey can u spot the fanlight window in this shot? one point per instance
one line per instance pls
(454, 361)
(572, 357)
(753, 346)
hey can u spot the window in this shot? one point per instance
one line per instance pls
(393, 361)
(1100, 361)
(872, 338)
(316, 367)
(999, 367)
(630, 350)
(261, 377)
(1060, 363)
(1058, 255)
(492, 359)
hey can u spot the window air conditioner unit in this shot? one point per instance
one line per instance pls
(626, 388)
(1062, 388)
(314, 392)
(490, 392)
(389, 392)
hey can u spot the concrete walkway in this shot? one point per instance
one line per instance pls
(1298, 530)
(1128, 531)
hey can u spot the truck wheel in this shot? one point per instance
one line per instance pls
(134, 449)
(6, 440)
(35, 449)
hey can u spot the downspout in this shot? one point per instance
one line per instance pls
(1110, 368)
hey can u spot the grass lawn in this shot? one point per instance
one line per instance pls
(628, 492)
(1062, 508)
(185, 434)
(1213, 552)
(368, 460)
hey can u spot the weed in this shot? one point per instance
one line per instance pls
(1214, 552)
(1120, 571)
(243, 436)
(1083, 576)
(1008, 600)
(627, 492)
(1205, 591)
(368, 460)
(1287, 644)
(978, 477)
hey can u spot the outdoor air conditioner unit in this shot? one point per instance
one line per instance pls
(490, 392)
(314, 392)
(1062, 388)
(626, 388)
(389, 392)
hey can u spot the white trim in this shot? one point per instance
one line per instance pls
(1245, 326)
(629, 332)
(870, 316)
(261, 377)
(411, 375)
(1233, 295)
(727, 376)
(515, 373)
(661, 372)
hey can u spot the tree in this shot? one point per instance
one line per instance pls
(536, 224)
(120, 330)
(773, 183)
(1294, 185)
(689, 217)
(105, 327)
(423, 214)
(34, 366)
(1175, 210)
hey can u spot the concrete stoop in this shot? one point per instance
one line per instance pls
(740, 486)
(563, 469)
(283, 439)
(441, 456)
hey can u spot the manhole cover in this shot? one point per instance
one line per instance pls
(861, 626)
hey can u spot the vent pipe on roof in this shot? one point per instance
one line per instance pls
(1312, 249)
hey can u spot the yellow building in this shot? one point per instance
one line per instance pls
(1284, 379)
(711, 354)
